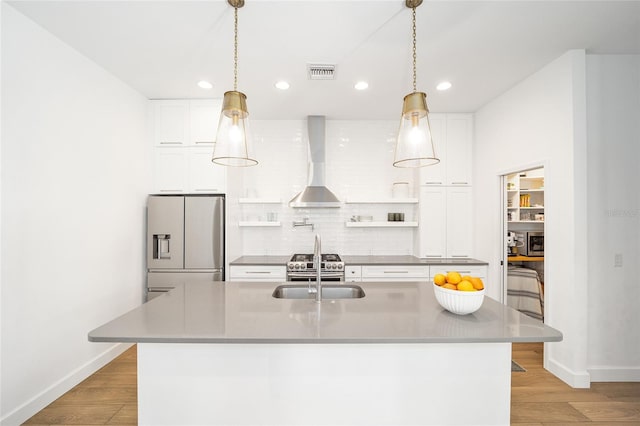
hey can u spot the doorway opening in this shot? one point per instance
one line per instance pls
(523, 207)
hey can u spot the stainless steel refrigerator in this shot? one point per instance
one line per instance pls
(185, 240)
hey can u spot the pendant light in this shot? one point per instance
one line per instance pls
(233, 140)
(414, 147)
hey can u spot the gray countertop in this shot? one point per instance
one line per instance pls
(261, 260)
(245, 312)
(364, 260)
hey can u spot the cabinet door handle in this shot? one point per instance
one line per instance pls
(396, 272)
(170, 190)
(433, 183)
(459, 183)
(258, 272)
(459, 255)
(170, 143)
(205, 142)
(209, 189)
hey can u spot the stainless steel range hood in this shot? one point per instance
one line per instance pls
(316, 194)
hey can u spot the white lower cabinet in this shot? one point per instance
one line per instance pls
(479, 271)
(395, 272)
(258, 273)
(445, 222)
(353, 273)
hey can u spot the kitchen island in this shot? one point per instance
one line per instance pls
(230, 353)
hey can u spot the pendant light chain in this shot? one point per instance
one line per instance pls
(414, 49)
(235, 49)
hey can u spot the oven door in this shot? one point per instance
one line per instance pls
(306, 276)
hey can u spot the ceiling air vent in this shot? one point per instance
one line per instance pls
(321, 71)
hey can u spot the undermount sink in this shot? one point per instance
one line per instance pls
(329, 291)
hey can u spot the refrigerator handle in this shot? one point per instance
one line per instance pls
(218, 234)
(161, 248)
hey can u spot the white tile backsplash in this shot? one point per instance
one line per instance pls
(359, 157)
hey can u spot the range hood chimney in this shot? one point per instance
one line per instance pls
(316, 195)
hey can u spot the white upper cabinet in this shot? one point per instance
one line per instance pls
(436, 174)
(459, 146)
(203, 175)
(445, 221)
(452, 138)
(433, 221)
(204, 117)
(170, 122)
(169, 170)
(184, 137)
(186, 122)
(459, 222)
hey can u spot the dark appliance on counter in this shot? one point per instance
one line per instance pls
(534, 244)
(301, 267)
(185, 240)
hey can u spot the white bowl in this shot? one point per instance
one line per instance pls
(459, 302)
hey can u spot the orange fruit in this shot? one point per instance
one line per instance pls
(466, 278)
(466, 286)
(453, 277)
(439, 279)
(477, 283)
(450, 286)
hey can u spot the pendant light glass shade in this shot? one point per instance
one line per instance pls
(233, 140)
(414, 147)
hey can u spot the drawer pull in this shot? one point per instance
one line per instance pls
(396, 272)
(258, 272)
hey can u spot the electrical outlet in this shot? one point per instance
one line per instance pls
(617, 260)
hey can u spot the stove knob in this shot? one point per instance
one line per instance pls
(297, 266)
(339, 265)
(334, 266)
(304, 266)
(290, 266)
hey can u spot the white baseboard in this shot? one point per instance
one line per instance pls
(56, 390)
(570, 377)
(614, 374)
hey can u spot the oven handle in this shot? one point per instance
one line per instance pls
(313, 275)
(312, 278)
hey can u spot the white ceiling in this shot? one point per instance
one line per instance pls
(163, 48)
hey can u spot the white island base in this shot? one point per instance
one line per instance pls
(324, 384)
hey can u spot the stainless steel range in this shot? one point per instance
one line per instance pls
(302, 268)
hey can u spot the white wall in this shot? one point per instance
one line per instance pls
(359, 157)
(541, 121)
(613, 94)
(75, 173)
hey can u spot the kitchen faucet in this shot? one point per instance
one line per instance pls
(303, 222)
(317, 259)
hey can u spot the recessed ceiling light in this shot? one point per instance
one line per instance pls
(445, 85)
(361, 85)
(205, 85)
(282, 85)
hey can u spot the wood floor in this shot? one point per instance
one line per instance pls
(537, 397)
